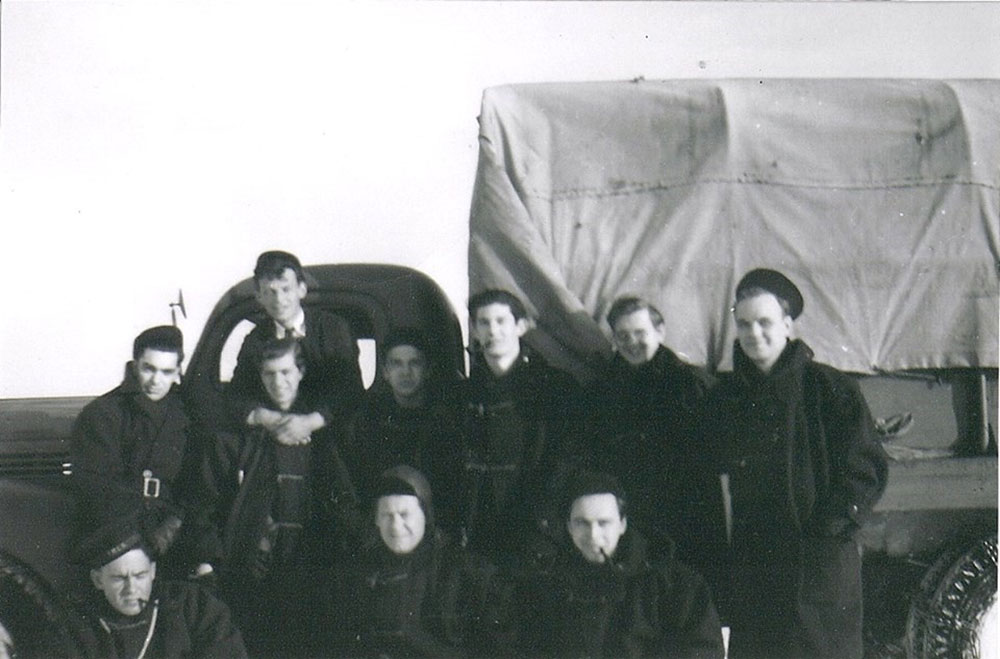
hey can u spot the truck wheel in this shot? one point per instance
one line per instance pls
(33, 623)
(955, 613)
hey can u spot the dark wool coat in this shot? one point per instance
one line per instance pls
(428, 438)
(428, 603)
(563, 606)
(643, 425)
(332, 378)
(805, 467)
(516, 429)
(297, 497)
(116, 438)
(190, 623)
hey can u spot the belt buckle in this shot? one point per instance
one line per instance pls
(150, 485)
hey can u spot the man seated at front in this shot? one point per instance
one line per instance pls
(515, 421)
(407, 419)
(130, 449)
(598, 593)
(328, 346)
(131, 614)
(412, 592)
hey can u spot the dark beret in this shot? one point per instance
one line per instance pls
(776, 283)
(585, 483)
(113, 539)
(163, 337)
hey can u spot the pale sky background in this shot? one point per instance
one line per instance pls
(151, 146)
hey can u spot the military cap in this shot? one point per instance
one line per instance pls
(163, 337)
(111, 540)
(776, 283)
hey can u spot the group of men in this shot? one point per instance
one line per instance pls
(511, 513)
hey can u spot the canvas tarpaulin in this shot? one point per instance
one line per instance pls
(879, 198)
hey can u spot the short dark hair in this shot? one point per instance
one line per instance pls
(497, 296)
(278, 348)
(629, 304)
(272, 265)
(405, 336)
(165, 338)
(586, 483)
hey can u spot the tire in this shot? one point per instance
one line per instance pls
(955, 610)
(32, 618)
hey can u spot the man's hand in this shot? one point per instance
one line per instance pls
(261, 416)
(295, 429)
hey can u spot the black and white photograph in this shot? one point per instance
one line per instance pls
(556, 329)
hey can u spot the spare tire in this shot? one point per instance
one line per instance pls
(35, 621)
(955, 609)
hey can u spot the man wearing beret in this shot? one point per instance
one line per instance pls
(135, 616)
(598, 593)
(804, 466)
(331, 354)
(130, 447)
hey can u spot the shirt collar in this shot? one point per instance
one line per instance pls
(299, 325)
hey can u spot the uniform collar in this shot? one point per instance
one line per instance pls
(792, 360)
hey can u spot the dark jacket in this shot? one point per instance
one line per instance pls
(248, 478)
(516, 436)
(272, 517)
(384, 434)
(563, 606)
(643, 429)
(805, 467)
(116, 438)
(332, 378)
(190, 623)
(428, 603)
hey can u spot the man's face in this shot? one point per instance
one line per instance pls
(596, 526)
(126, 581)
(282, 297)
(156, 372)
(401, 522)
(762, 328)
(281, 377)
(405, 370)
(497, 331)
(636, 337)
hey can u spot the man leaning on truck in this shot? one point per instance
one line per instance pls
(129, 446)
(327, 344)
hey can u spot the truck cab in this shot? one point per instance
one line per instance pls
(36, 575)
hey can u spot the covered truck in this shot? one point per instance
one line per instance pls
(879, 198)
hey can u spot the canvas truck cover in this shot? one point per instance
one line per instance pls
(879, 198)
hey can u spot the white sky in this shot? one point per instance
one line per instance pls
(151, 146)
